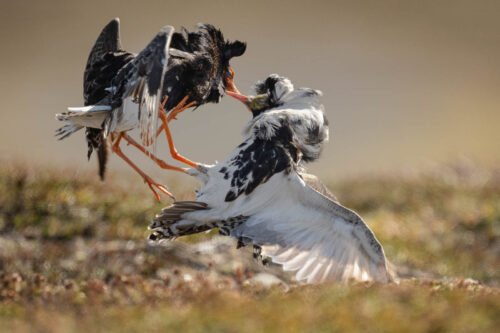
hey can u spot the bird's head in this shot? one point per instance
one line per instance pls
(273, 92)
(221, 52)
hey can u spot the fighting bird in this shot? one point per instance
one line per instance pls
(123, 91)
(261, 196)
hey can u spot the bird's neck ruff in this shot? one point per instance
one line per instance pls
(301, 114)
(203, 56)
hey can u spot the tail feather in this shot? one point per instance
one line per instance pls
(84, 111)
(67, 130)
(89, 108)
(91, 116)
(96, 140)
(102, 158)
(170, 223)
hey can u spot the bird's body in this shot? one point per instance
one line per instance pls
(196, 64)
(123, 91)
(260, 195)
(113, 76)
(199, 66)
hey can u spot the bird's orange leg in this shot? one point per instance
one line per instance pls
(173, 151)
(175, 111)
(162, 164)
(162, 110)
(182, 106)
(148, 180)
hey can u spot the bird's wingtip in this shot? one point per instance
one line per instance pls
(167, 29)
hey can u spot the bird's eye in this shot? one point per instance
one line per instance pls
(230, 73)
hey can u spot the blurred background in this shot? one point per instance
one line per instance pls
(410, 88)
(406, 83)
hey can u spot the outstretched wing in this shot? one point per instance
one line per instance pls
(308, 233)
(313, 182)
(142, 79)
(294, 225)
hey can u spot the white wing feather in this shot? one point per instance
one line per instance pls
(141, 80)
(150, 101)
(305, 232)
(316, 237)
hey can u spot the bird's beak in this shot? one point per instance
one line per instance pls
(242, 98)
(230, 86)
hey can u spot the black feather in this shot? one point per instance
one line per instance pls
(198, 67)
(234, 49)
(260, 160)
(201, 70)
(104, 61)
(102, 158)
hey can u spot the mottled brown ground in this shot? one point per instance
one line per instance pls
(74, 258)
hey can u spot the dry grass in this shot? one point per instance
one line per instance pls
(73, 258)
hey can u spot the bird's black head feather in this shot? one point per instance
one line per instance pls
(203, 71)
(234, 49)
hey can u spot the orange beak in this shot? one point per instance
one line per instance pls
(242, 98)
(230, 86)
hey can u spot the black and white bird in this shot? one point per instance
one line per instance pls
(123, 91)
(261, 196)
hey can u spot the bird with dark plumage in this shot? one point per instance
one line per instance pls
(261, 195)
(123, 91)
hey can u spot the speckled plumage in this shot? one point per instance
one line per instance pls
(199, 65)
(289, 216)
(104, 61)
(174, 64)
(113, 78)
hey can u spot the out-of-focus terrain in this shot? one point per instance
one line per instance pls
(74, 257)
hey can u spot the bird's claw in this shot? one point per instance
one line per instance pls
(151, 184)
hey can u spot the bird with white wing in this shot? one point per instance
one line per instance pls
(261, 196)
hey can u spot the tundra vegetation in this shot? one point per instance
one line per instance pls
(74, 258)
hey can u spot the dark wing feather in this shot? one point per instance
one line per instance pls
(172, 214)
(168, 224)
(142, 79)
(103, 62)
(107, 41)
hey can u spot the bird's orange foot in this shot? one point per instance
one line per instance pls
(154, 186)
